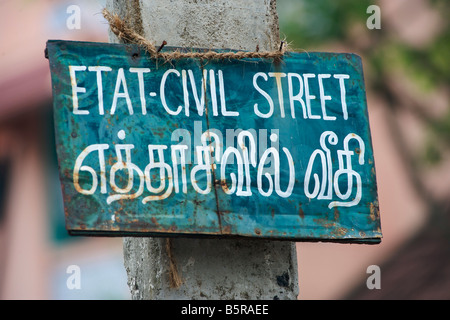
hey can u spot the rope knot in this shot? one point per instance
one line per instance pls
(127, 34)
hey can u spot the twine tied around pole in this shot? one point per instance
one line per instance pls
(174, 276)
(124, 32)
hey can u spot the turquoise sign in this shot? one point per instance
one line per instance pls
(230, 148)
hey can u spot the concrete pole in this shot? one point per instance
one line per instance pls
(210, 268)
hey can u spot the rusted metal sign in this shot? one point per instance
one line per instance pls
(247, 148)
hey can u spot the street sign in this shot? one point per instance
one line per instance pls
(230, 148)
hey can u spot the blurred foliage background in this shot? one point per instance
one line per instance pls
(317, 25)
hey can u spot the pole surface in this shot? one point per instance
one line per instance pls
(209, 268)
